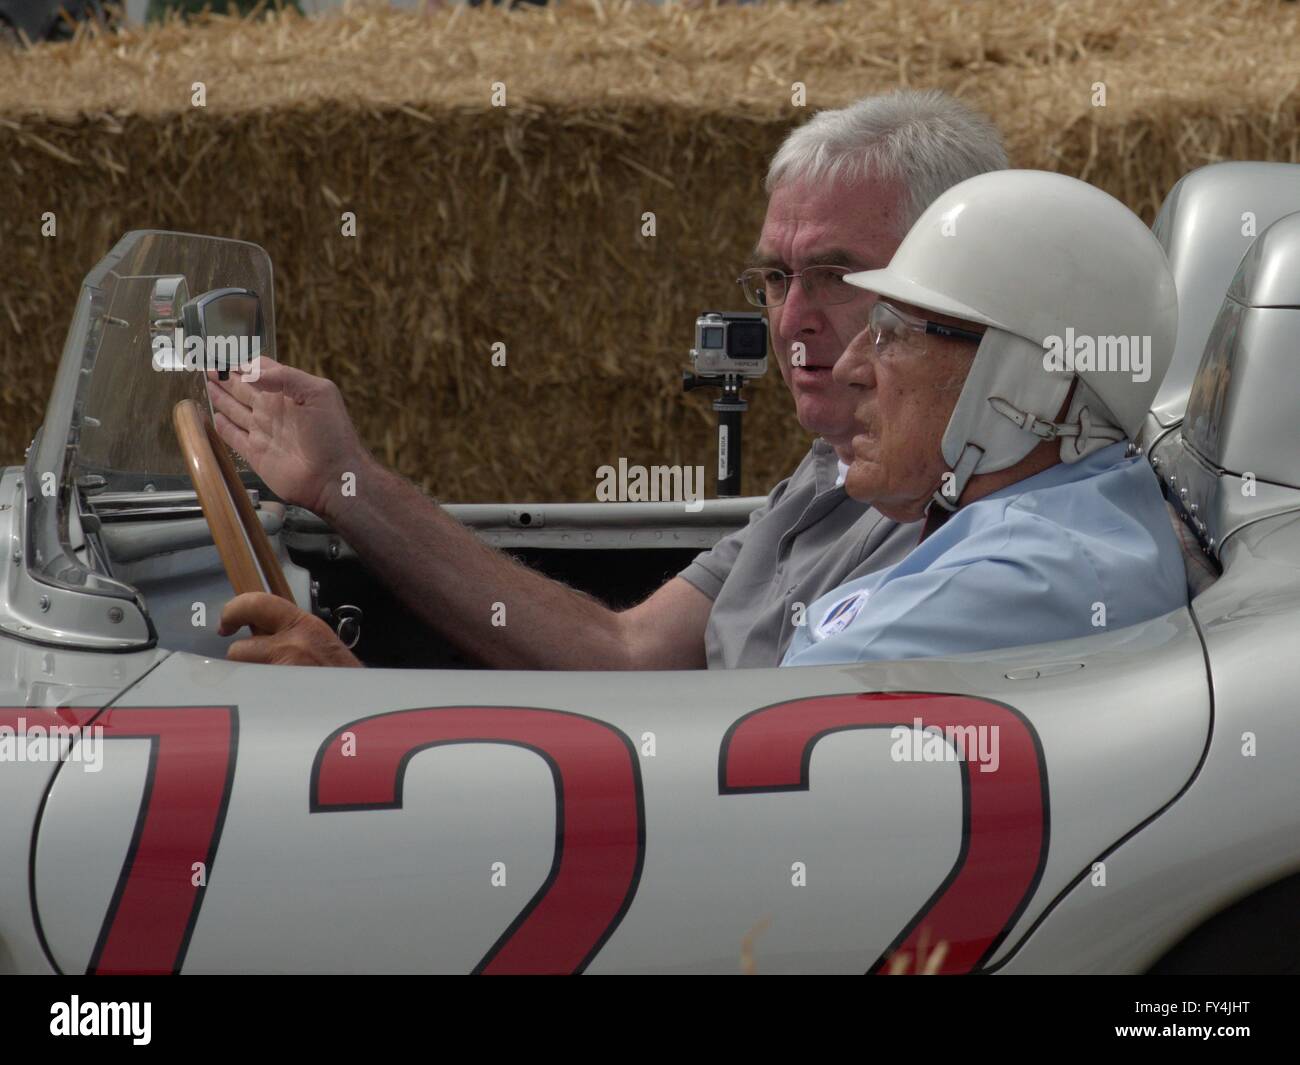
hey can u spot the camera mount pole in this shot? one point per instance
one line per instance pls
(729, 407)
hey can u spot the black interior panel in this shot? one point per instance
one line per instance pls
(392, 637)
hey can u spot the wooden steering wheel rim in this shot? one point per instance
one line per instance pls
(231, 517)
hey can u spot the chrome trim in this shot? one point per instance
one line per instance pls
(1215, 507)
(122, 506)
(563, 526)
(31, 609)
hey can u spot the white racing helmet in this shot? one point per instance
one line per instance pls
(1071, 285)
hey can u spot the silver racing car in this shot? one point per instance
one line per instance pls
(1126, 802)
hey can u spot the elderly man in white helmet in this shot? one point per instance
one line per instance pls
(1022, 329)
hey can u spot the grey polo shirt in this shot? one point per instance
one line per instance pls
(808, 538)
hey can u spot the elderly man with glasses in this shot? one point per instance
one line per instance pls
(1041, 523)
(843, 190)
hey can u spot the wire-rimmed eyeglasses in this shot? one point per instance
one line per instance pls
(766, 286)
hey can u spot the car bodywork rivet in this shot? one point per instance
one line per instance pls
(44, 603)
(333, 549)
(115, 614)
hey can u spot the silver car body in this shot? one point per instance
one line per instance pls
(267, 819)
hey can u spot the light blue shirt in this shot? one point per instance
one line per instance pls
(1071, 551)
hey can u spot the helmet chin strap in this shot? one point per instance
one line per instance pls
(1096, 425)
(1081, 437)
(1006, 384)
(1077, 438)
(954, 483)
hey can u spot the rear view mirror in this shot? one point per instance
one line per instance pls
(229, 321)
(165, 338)
(169, 295)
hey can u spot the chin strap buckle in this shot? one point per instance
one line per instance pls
(1084, 432)
(1031, 423)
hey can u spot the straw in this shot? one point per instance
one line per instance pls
(522, 224)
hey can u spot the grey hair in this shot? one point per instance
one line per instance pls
(925, 139)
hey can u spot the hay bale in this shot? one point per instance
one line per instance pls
(522, 224)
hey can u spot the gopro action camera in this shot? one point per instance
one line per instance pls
(730, 342)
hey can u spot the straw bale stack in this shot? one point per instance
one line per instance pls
(522, 224)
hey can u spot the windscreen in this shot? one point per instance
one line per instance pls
(126, 430)
(110, 410)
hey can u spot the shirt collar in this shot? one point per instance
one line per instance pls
(827, 467)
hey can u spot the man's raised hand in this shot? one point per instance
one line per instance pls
(293, 429)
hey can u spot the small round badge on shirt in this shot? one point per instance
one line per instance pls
(841, 615)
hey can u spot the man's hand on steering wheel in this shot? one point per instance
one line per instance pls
(293, 429)
(283, 635)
